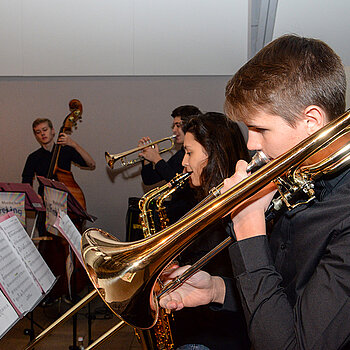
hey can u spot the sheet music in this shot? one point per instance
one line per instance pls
(29, 253)
(65, 225)
(15, 280)
(8, 315)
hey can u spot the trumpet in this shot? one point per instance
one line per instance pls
(112, 158)
(125, 273)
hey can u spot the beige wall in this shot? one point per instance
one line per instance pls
(117, 111)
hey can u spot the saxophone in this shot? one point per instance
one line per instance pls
(159, 337)
(161, 210)
(158, 193)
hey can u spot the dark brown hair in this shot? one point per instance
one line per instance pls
(285, 77)
(185, 112)
(224, 144)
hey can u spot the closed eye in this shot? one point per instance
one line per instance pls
(256, 129)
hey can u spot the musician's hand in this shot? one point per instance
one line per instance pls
(65, 140)
(249, 217)
(200, 289)
(143, 141)
(150, 153)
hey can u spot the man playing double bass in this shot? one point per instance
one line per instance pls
(55, 250)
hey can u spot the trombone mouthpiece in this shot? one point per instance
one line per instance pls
(258, 160)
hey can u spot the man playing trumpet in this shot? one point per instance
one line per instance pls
(155, 168)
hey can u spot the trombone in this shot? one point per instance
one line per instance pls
(125, 274)
(112, 158)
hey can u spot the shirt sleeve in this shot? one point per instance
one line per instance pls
(163, 170)
(75, 156)
(322, 306)
(231, 302)
(28, 172)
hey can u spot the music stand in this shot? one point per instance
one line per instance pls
(32, 200)
(73, 207)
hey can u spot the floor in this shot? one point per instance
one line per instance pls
(62, 338)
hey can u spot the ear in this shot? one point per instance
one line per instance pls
(315, 118)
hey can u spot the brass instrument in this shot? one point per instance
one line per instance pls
(148, 225)
(112, 158)
(176, 183)
(160, 335)
(125, 273)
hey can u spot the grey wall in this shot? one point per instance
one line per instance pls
(117, 111)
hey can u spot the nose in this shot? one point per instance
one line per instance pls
(185, 160)
(254, 141)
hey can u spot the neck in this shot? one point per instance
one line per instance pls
(49, 146)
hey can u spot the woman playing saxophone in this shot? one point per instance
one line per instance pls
(213, 144)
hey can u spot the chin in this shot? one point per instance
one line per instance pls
(194, 183)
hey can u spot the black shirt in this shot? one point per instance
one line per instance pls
(38, 162)
(295, 289)
(202, 325)
(163, 170)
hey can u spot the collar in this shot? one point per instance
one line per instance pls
(53, 147)
(327, 183)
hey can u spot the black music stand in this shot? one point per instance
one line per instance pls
(73, 207)
(32, 200)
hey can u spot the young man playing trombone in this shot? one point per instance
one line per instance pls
(295, 284)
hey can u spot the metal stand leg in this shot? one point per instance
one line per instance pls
(75, 317)
(89, 324)
(30, 331)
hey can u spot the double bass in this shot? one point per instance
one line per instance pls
(57, 173)
(55, 249)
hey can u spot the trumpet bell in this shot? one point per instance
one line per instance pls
(110, 160)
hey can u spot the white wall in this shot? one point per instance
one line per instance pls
(122, 37)
(321, 19)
